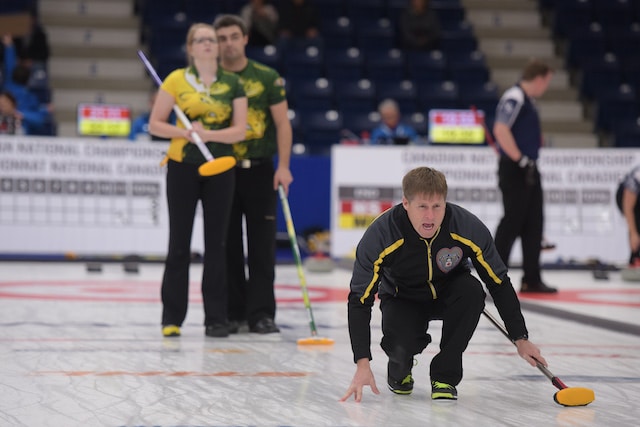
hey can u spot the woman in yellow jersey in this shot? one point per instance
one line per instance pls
(216, 104)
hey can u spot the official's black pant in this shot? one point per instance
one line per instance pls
(255, 200)
(405, 324)
(636, 213)
(523, 217)
(185, 187)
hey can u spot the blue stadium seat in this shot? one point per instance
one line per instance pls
(404, 92)
(357, 95)
(345, 63)
(458, 39)
(484, 97)
(359, 122)
(267, 55)
(328, 8)
(450, 14)
(296, 125)
(584, 43)
(163, 12)
(322, 130)
(627, 133)
(312, 95)
(624, 41)
(375, 35)
(570, 14)
(202, 11)
(600, 74)
(418, 120)
(613, 14)
(337, 32)
(426, 66)
(614, 105)
(468, 69)
(303, 62)
(365, 12)
(438, 95)
(388, 64)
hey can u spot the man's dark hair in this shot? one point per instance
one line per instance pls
(535, 68)
(223, 21)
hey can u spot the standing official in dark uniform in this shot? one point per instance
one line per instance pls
(629, 205)
(519, 135)
(255, 199)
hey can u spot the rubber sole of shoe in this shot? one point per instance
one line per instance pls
(443, 396)
(401, 392)
(171, 331)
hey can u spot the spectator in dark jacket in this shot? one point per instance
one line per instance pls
(419, 26)
(299, 19)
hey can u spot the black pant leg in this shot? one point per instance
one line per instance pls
(460, 304)
(259, 203)
(236, 276)
(531, 236)
(217, 197)
(404, 333)
(182, 197)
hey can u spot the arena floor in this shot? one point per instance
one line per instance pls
(85, 349)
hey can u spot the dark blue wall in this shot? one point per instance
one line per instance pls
(309, 195)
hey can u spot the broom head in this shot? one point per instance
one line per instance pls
(574, 396)
(315, 341)
(217, 166)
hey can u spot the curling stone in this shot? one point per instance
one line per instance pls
(630, 274)
(319, 263)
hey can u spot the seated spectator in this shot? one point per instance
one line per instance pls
(419, 27)
(34, 115)
(9, 115)
(299, 19)
(262, 21)
(391, 131)
(140, 125)
(33, 48)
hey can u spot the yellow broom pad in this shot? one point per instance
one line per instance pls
(574, 396)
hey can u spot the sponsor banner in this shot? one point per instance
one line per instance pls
(581, 215)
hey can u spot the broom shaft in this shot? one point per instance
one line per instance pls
(296, 256)
(554, 380)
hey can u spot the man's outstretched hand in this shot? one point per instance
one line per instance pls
(363, 376)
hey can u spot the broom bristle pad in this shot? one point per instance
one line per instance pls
(574, 396)
(315, 341)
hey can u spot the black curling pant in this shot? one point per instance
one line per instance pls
(523, 217)
(405, 324)
(185, 187)
(256, 201)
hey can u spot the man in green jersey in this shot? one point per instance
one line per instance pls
(269, 133)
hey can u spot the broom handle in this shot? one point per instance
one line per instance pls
(554, 380)
(181, 116)
(296, 255)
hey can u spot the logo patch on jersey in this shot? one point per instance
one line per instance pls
(253, 88)
(448, 258)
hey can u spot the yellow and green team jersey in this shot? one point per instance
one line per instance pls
(212, 106)
(264, 87)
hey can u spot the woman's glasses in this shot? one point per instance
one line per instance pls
(201, 40)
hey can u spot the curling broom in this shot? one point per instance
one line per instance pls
(314, 339)
(211, 166)
(566, 396)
